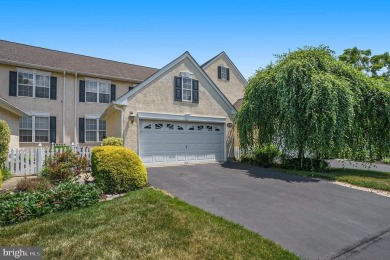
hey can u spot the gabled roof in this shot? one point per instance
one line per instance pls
(123, 99)
(41, 58)
(11, 108)
(231, 65)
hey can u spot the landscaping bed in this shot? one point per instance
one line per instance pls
(143, 224)
(65, 183)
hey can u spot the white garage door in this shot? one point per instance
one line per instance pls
(169, 142)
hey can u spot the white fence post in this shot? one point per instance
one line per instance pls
(39, 159)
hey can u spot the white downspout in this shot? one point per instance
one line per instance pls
(75, 107)
(117, 108)
(63, 109)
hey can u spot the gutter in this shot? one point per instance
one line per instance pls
(11, 108)
(74, 111)
(63, 109)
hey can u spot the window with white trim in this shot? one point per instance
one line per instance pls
(223, 72)
(187, 89)
(97, 91)
(33, 84)
(34, 129)
(95, 130)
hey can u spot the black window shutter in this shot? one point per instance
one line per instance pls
(113, 92)
(227, 74)
(53, 87)
(219, 72)
(177, 89)
(195, 91)
(53, 129)
(13, 83)
(81, 130)
(82, 91)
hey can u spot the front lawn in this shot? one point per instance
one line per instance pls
(142, 224)
(363, 178)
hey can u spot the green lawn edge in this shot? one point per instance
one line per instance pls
(144, 224)
(363, 178)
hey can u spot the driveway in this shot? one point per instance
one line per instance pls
(315, 219)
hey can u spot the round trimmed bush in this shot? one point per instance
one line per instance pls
(113, 141)
(117, 169)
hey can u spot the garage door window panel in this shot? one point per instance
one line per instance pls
(158, 126)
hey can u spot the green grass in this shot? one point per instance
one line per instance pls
(144, 224)
(363, 178)
(386, 160)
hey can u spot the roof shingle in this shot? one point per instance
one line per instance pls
(16, 52)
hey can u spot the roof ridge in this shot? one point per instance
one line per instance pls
(77, 54)
(212, 58)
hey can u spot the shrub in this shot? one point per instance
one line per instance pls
(117, 169)
(246, 158)
(386, 160)
(65, 166)
(6, 174)
(1, 178)
(305, 164)
(112, 141)
(266, 155)
(15, 208)
(5, 138)
(33, 184)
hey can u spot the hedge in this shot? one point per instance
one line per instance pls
(117, 169)
(112, 141)
(5, 138)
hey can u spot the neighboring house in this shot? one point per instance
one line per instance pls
(11, 114)
(180, 114)
(33, 79)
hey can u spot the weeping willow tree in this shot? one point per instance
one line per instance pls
(310, 103)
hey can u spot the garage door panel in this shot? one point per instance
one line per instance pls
(162, 142)
(181, 157)
(158, 158)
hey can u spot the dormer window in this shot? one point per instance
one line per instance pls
(186, 88)
(223, 72)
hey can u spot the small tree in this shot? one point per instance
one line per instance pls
(5, 138)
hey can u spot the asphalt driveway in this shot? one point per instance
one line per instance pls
(315, 219)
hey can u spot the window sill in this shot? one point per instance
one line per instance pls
(33, 98)
(95, 103)
(34, 142)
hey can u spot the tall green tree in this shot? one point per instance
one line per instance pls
(359, 59)
(310, 102)
(377, 66)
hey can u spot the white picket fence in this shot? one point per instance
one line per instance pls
(28, 161)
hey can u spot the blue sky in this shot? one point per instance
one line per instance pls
(152, 33)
